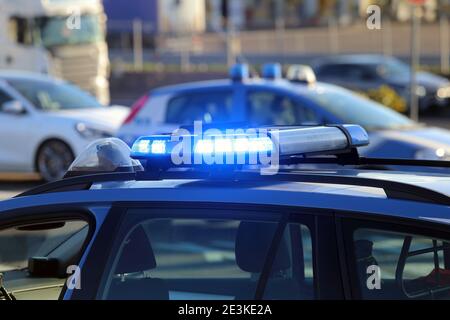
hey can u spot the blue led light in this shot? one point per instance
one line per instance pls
(142, 146)
(204, 147)
(263, 144)
(235, 145)
(159, 147)
(223, 145)
(150, 146)
(241, 145)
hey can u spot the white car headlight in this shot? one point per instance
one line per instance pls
(91, 133)
(421, 91)
(433, 154)
(443, 93)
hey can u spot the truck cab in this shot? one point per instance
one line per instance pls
(63, 38)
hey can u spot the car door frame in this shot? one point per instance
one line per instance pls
(327, 274)
(347, 222)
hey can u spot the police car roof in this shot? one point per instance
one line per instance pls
(434, 182)
(254, 82)
(339, 197)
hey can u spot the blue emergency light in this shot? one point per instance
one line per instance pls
(283, 142)
(240, 72)
(272, 71)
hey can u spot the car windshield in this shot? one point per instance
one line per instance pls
(54, 31)
(54, 96)
(354, 109)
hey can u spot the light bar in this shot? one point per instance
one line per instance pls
(283, 142)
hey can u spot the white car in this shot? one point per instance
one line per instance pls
(45, 123)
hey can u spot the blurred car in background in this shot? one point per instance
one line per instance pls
(275, 101)
(45, 123)
(366, 73)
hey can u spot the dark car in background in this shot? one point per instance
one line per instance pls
(371, 73)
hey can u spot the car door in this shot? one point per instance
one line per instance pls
(40, 249)
(211, 251)
(15, 132)
(390, 259)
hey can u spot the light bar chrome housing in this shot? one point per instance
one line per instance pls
(321, 140)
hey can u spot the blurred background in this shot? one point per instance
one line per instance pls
(155, 40)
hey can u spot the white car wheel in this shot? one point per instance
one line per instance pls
(53, 160)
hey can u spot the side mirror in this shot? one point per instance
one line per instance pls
(13, 107)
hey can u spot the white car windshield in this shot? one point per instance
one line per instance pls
(54, 96)
(54, 31)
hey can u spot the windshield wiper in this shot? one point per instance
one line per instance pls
(4, 294)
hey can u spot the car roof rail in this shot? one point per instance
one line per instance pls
(393, 189)
(78, 183)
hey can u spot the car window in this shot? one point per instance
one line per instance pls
(359, 73)
(269, 108)
(394, 265)
(351, 108)
(332, 70)
(206, 107)
(34, 258)
(203, 259)
(4, 97)
(52, 96)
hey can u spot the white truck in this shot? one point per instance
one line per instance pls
(64, 38)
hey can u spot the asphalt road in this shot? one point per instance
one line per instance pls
(10, 188)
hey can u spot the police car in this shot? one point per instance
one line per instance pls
(273, 100)
(230, 215)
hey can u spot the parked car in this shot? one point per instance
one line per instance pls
(276, 101)
(371, 72)
(45, 123)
